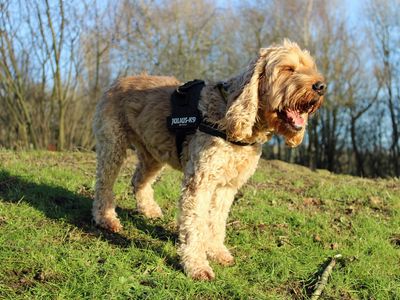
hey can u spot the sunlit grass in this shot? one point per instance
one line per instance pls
(284, 226)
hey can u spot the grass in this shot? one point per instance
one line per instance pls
(284, 226)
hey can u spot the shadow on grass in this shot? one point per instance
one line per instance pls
(59, 203)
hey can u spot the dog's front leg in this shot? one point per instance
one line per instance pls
(219, 210)
(193, 225)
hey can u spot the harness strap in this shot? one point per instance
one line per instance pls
(179, 139)
(223, 89)
(186, 118)
(212, 129)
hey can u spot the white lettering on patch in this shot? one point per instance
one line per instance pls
(184, 120)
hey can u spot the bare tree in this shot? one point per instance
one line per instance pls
(57, 57)
(14, 64)
(384, 25)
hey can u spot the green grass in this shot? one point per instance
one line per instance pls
(284, 226)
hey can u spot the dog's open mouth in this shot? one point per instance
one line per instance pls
(293, 118)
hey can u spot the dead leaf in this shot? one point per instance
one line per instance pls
(261, 227)
(334, 246)
(234, 224)
(375, 202)
(395, 240)
(317, 238)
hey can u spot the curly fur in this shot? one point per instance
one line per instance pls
(132, 114)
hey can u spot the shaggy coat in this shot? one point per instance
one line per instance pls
(274, 95)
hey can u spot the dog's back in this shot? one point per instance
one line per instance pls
(136, 107)
(134, 93)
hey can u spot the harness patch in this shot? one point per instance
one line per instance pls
(185, 116)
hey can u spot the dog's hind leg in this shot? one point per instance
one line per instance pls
(220, 206)
(145, 174)
(111, 151)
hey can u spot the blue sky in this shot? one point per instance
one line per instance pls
(353, 8)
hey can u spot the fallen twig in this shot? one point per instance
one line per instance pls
(324, 277)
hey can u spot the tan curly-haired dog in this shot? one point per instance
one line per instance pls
(274, 95)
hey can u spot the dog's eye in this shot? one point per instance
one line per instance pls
(288, 69)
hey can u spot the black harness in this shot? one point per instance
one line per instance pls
(186, 118)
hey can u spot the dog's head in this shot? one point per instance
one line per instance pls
(280, 89)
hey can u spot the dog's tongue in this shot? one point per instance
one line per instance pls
(295, 117)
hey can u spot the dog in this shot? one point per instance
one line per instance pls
(275, 94)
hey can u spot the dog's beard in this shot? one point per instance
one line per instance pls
(289, 118)
(293, 115)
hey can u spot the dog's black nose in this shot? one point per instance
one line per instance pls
(319, 87)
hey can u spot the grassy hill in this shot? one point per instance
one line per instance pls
(284, 226)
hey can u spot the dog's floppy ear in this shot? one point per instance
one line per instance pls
(243, 107)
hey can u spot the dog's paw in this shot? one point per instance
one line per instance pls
(221, 256)
(225, 258)
(110, 224)
(151, 212)
(204, 273)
